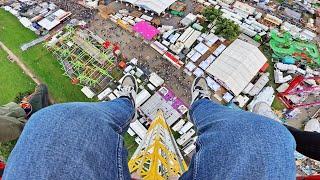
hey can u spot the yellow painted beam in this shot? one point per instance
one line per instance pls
(146, 163)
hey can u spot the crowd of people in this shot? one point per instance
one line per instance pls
(78, 11)
(134, 47)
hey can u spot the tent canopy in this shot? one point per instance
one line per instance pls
(157, 6)
(146, 30)
(237, 66)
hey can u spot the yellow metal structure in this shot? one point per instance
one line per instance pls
(158, 156)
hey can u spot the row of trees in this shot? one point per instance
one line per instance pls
(223, 27)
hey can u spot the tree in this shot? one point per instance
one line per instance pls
(224, 27)
(227, 29)
(212, 14)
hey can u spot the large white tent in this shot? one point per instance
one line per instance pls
(237, 66)
(157, 6)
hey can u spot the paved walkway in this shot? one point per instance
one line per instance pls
(24, 68)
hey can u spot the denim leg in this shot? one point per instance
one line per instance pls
(234, 144)
(73, 141)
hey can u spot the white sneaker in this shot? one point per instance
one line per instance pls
(200, 89)
(128, 89)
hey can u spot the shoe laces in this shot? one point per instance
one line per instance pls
(126, 90)
(201, 92)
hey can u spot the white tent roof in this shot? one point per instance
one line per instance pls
(25, 22)
(138, 128)
(54, 19)
(88, 92)
(142, 97)
(156, 80)
(157, 6)
(237, 65)
(47, 24)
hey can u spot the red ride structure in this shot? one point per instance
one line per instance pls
(2, 166)
(299, 87)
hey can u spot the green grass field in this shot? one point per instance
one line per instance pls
(131, 144)
(12, 80)
(43, 64)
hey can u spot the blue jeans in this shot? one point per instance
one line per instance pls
(84, 141)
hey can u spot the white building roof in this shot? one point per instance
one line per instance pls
(25, 22)
(172, 107)
(266, 96)
(201, 48)
(131, 132)
(258, 86)
(54, 19)
(156, 80)
(244, 7)
(111, 96)
(189, 19)
(213, 84)
(138, 128)
(204, 65)
(237, 65)
(104, 94)
(178, 125)
(227, 97)
(190, 66)
(152, 5)
(195, 57)
(186, 127)
(88, 92)
(142, 97)
(198, 72)
(308, 35)
(47, 24)
(211, 39)
(242, 100)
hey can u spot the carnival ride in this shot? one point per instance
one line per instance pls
(86, 59)
(299, 87)
(285, 45)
